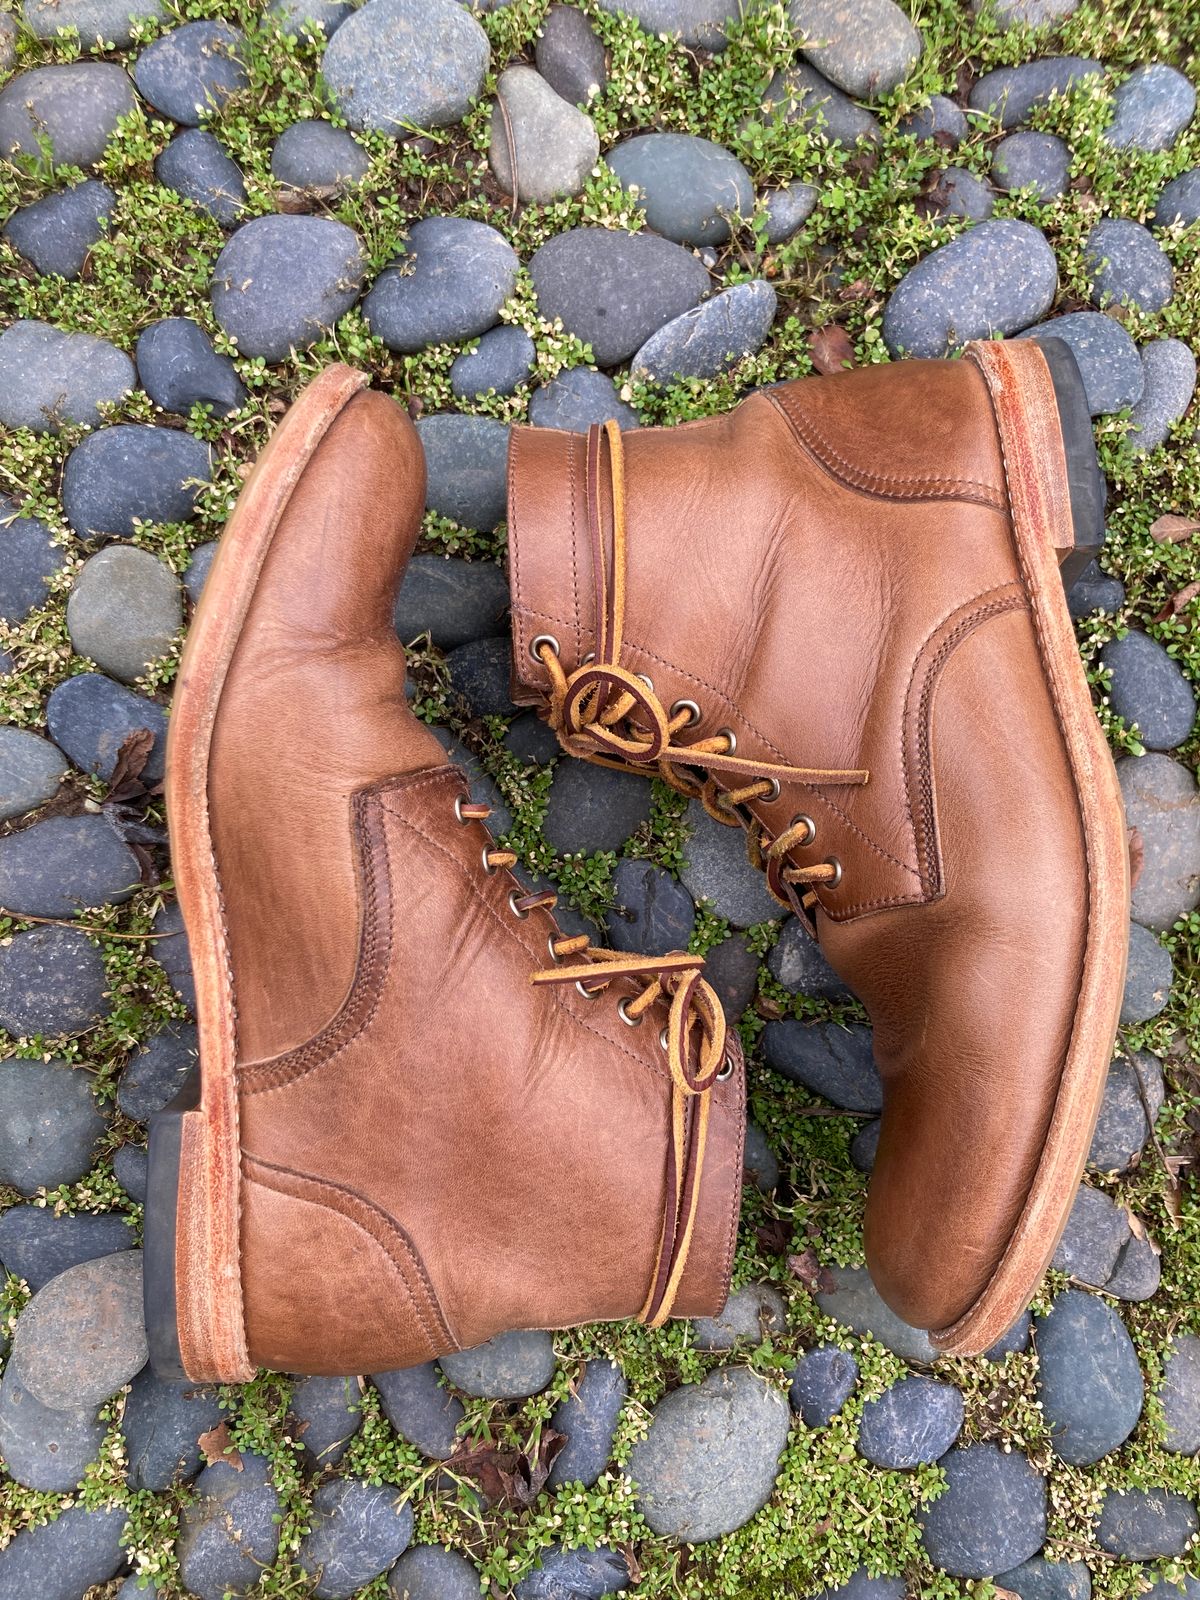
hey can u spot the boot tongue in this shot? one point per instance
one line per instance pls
(549, 562)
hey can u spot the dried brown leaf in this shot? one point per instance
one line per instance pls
(216, 1445)
(831, 349)
(1171, 528)
(815, 1278)
(126, 781)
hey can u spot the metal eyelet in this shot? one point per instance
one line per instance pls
(487, 865)
(773, 793)
(623, 1013)
(648, 681)
(588, 994)
(588, 659)
(513, 897)
(662, 1038)
(730, 737)
(458, 805)
(554, 955)
(543, 638)
(692, 709)
(802, 817)
(726, 1071)
(832, 883)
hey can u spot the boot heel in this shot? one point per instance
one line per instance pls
(1086, 484)
(162, 1204)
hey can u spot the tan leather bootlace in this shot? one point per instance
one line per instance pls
(608, 715)
(695, 1028)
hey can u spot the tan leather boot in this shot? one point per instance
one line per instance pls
(843, 601)
(423, 1115)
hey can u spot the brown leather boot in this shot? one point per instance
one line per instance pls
(843, 601)
(424, 1115)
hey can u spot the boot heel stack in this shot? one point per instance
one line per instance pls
(1086, 486)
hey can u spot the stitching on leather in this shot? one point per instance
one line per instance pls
(571, 479)
(514, 547)
(341, 1194)
(888, 486)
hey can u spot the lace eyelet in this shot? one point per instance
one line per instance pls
(730, 738)
(691, 708)
(662, 1038)
(587, 660)
(541, 639)
(646, 679)
(623, 1013)
(487, 865)
(554, 955)
(773, 793)
(458, 805)
(513, 897)
(810, 836)
(588, 994)
(832, 883)
(726, 1071)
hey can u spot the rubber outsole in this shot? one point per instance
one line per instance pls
(1085, 481)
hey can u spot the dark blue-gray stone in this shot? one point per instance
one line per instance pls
(1180, 1395)
(196, 166)
(865, 1146)
(614, 289)
(854, 1302)
(502, 360)
(158, 1070)
(1138, 1271)
(41, 1448)
(198, 568)
(192, 71)
(1179, 201)
(1011, 93)
(328, 1413)
(317, 157)
(532, 741)
(51, 1125)
(939, 118)
(1094, 591)
(421, 1409)
(575, 1575)
(466, 460)
(1133, 1097)
(400, 64)
(38, 1243)
(1040, 162)
(282, 282)
(1148, 976)
(760, 1166)
(576, 399)
(1089, 1383)
(54, 234)
(1106, 356)
(588, 1419)
(162, 1424)
(508, 1367)
(28, 559)
(75, 107)
(788, 208)
(356, 1532)
(56, 867)
(1014, 1342)
(1164, 1589)
(483, 788)
(179, 368)
(752, 1313)
(798, 963)
(431, 1572)
(714, 336)
(862, 1586)
(1039, 1579)
(49, 377)
(710, 1458)
(132, 472)
(1127, 265)
(992, 1515)
(63, 1559)
(822, 1382)
(867, 49)
(1149, 689)
(717, 870)
(1162, 803)
(229, 1531)
(124, 611)
(542, 148)
(731, 969)
(594, 808)
(82, 1336)
(52, 981)
(448, 285)
(452, 600)
(1169, 370)
(957, 192)
(1146, 1524)
(913, 1422)
(31, 770)
(171, 951)
(696, 22)
(131, 1170)
(90, 717)
(302, 16)
(997, 277)
(836, 1062)
(1096, 1230)
(801, 94)
(652, 912)
(570, 56)
(98, 22)
(480, 672)
(1151, 108)
(688, 187)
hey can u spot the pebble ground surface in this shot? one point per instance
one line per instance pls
(201, 205)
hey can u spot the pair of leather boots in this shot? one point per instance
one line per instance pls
(424, 1114)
